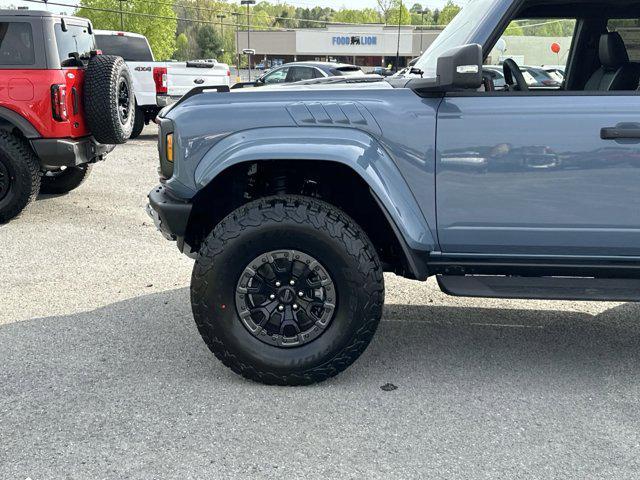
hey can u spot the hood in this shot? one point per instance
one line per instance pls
(293, 87)
(329, 84)
(357, 82)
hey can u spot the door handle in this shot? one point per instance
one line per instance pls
(615, 133)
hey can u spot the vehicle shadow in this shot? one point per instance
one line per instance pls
(155, 334)
(131, 388)
(492, 345)
(146, 136)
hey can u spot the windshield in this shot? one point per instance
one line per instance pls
(132, 49)
(457, 33)
(350, 71)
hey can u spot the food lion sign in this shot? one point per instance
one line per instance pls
(354, 40)
(372, 41)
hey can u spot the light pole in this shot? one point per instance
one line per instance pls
(248, 3)
(121, 16)
(421, 12)
(398, 50)
(237, 20)
(221, 17)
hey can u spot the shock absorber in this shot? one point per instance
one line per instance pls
(279, 184)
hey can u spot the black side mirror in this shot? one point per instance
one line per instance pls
(460, 68)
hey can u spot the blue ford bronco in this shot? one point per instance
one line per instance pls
(294, 200)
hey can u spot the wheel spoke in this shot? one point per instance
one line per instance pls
(289, 321)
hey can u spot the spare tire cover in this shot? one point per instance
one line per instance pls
(109, 101)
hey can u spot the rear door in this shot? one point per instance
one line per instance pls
(298, 73)
(279, 75)
(74, 45)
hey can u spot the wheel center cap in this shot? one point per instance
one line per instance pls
(286, 295)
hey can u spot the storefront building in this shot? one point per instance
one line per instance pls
(365, 45)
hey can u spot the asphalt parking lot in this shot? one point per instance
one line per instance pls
(104, 376)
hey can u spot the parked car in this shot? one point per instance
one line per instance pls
(556, 72)
(536, 77)
(541, 78)
(409, 71)
(62, 106)
(385, 72)
(299, 71)
(294, 214)
(157, 84)
(496, 75)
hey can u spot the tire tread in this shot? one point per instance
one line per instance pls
(28, 173)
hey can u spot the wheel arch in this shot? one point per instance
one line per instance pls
(10, 121)
(297, 160)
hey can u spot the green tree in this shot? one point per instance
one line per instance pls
(159, 31)
(182, 47)
(260, 20)
(209, 41)
(384, 6)
(416, 8)
(396, 13)
(367, 15)
(416, 18)
(514, 29)
(448, 13)
(547, 28)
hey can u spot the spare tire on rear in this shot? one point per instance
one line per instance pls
(109, 102)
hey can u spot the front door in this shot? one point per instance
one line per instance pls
(532, 175)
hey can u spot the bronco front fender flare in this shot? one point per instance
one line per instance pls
(347, 146)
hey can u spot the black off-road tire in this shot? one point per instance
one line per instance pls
(20, 172)
(138, 123)
(109, 114)
(65, 180)
(303, 224)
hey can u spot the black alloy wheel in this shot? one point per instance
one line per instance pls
(124, 101)
(5, 180)
(285, 298)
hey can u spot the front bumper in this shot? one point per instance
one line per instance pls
(66, 152)
(169, 214)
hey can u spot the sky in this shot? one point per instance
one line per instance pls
(337, 4)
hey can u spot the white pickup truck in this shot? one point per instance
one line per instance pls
(157, 84)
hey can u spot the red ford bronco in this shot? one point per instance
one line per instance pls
(63, 106)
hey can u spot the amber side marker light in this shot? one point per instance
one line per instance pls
(170, 147)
